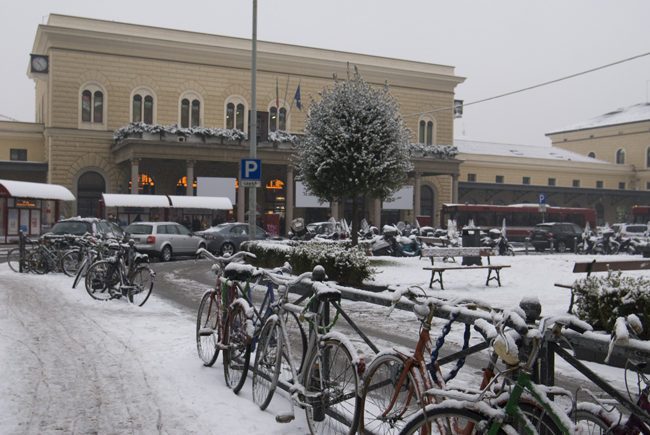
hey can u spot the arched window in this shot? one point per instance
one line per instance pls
(236, 113)
(181, 186)
(143, 105)
(427, 131)
(90, 187)
(92, 106)
(620, 157)
(190, 110)
(279, 117)
(146, 185)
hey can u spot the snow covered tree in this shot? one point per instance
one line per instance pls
(356, 144)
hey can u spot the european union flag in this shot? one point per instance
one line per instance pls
(297, 98)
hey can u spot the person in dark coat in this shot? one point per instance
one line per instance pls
(186, 223)
(196, 224)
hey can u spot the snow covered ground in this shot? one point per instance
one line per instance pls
(70, 364)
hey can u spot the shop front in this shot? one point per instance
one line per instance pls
(29, 207)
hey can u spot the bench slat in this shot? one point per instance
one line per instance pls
(597, 266)
(465, 267)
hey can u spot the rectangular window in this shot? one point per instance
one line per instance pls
(471, 177)
(499, 179)
(647, 185)
(551, 181)
(599, 184)
(576, 183)
(525, 180)
(621, 185)
(18, 154)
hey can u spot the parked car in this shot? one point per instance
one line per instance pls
(226, 238)
(164, 239)
(79, 226)
(563, 235)
(630, 230)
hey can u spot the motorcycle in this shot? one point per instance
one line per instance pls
(406, 246)
(606, 243)
(299, 230)
(496, 239)
(587, 242)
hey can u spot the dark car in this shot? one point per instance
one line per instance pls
(563, 235)
(79, 226)
(226, 238)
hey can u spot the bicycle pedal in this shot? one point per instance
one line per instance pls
(285, 417)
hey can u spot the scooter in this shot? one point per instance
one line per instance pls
(405, 246)
(383, 244)
(496, 239)
(606, 243)
(299, 230)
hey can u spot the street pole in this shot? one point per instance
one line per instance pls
(252, 193)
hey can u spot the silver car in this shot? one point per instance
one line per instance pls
(164, 239)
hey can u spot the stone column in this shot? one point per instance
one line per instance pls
(334, 210)
(454, 188)
(377, 220)
(241, 200)
(135, 172)
(288, 200)
(189, 189)
(417, 190)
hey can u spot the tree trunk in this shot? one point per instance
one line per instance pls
(355, 222)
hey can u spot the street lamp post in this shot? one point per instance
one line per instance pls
(252, 193)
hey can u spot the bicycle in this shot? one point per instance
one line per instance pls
(520, 406)
(113, 278)
(214, 307)
(326, 387)
(44, 256)
(603, 417)
(395, 382)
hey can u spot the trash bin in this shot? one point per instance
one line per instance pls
(471, 237)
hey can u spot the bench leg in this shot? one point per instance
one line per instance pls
(434, 279)
(497, 278)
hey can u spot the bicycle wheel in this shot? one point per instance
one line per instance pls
(142, 284)
(70, 262)
(443, 420)
(544, 424)
(237, 350)
(267, 362)
(208, 327)
(38, 262)
(13, 259)
(385, 404)
(99, 279)
(297, 343)
(331, 383)
(593, 423)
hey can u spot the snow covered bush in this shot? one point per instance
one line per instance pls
(278, 137)
(438, 151)
(135, 128)
(601, 300)
(342, 263)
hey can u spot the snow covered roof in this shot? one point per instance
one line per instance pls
(524, 151)
(626, 115)
(25, 189)
(167, 201)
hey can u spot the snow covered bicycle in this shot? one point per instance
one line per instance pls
(113, 279)
(326, 387)
(519, 406)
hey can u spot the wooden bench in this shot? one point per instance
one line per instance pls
(461, 252)
(595, 266)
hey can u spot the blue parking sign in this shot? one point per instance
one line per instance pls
(251, 169)
(541, 198)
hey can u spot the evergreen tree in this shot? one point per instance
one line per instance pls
(356, 144)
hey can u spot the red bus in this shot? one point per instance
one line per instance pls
(520, 218)
(641, 214)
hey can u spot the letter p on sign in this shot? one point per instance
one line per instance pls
(251, 169)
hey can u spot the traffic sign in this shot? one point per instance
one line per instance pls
(251, 169)
(251, 183)
(541, 198)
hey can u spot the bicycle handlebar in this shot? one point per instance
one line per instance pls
(237, 257)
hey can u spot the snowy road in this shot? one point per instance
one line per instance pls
(72, 365)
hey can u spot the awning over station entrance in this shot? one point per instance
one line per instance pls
(25, 189)
(167, 201)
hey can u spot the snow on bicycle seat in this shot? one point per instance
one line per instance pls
(325, 293)
(240, 272)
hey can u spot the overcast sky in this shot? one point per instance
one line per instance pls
(499, 46)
